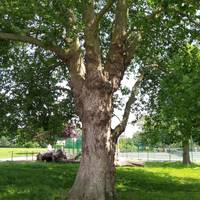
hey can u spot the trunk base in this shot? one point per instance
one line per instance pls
(93, 183)
(186, 153)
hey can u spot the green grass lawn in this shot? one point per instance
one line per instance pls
(156, 181)
(18, 152)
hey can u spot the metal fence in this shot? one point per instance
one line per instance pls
(170, 156)
(31, 156)
(73, 147)
(140, 155)
(15, 156)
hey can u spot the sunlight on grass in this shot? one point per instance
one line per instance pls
(159, 181)
(19, 152)
(177, 172)
(51, 181)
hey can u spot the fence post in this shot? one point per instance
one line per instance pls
(26, 155)
(147, 153)
(73, 145)
(192, 149)
(133, 148)
(126, 147)
(12, 156)
(169, 154)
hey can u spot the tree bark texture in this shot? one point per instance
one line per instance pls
(95, 179)
(186, 153)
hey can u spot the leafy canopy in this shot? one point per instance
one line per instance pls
(175, 111)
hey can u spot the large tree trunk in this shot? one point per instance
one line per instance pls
(96, 176)
(186, 153)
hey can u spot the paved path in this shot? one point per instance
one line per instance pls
(158, 156)
(24, 158)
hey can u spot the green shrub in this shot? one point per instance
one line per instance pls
(4, 142)
(31, 145)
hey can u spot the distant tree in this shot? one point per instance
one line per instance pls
(35, 98)
(175, 110)
(126, 145)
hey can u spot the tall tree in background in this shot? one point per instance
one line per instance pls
(97, 41)
(35, 102)
(174, 112)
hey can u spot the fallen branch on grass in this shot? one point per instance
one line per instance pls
(129, 163)
(57, 156)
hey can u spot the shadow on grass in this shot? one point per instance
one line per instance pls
(35, 181)
(141, 184)
(41, 181)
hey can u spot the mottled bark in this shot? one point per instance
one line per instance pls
(186, 153)
(95, 178)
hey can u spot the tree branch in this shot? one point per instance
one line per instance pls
(92, 46)
(155, 13)
(72, 57)
(115, 59)
(63, 89)
(76, 59)
(76, 66)
(131, 47)
(134, 36)
(120, 128)
(116, 117)
(62, 54)
(104, 10)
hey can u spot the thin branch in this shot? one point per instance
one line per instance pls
(63, 89)
(116, 117)
(104, 10)
(131, 48)
(155, 13)
(120, 128)
(62, 54)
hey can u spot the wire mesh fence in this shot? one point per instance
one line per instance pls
(74, 146)
(158, 156)
(70, 147)
(139, 155)
(16, 156)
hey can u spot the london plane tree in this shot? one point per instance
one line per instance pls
(99, 41)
